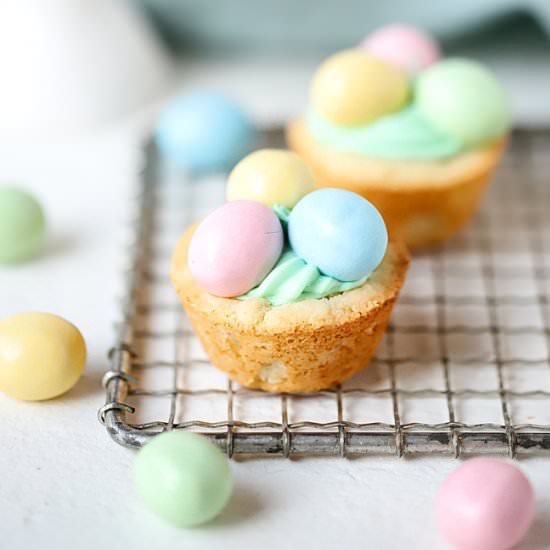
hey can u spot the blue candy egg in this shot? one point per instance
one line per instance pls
(338, 231)
(204, 132)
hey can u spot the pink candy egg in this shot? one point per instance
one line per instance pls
(485, 504)
(235, 247)
(404, 46)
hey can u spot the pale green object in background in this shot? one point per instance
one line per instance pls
(463, 99)
(183, 478)
(22, 225)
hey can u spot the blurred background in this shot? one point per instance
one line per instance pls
(70, 65)
(511, 36)
(263, 27)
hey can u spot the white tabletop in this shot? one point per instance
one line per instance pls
(65, 484)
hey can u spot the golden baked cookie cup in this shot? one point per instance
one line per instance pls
(423, 159)
(305, 346)
(424, 202)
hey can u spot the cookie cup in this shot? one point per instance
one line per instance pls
(424, 202)
(300, 347)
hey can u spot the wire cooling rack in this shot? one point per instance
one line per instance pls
(464, 367)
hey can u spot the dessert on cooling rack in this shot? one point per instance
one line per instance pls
(287, 287)
(417, 135)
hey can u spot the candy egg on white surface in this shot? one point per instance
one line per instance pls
(204, 132)
(41, 356)
(485, 504)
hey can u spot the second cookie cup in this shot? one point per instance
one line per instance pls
(423, 202)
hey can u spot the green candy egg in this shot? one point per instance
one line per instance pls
(183, 478)
(22, 225)
(463, 99)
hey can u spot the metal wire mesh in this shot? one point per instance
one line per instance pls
(464, 367)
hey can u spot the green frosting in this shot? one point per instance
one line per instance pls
(404, 135)
(293, 279)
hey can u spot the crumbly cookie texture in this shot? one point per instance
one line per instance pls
(424, 202)
(300, 347)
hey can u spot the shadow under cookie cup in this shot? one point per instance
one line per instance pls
(305, 346)
(424, 202)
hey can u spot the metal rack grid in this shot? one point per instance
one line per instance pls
(464, 367)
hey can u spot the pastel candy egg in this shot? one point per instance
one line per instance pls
(22, 225)
(235, 247)
(353, 87)
(463, 99)
(406, 46)
(183, 478)
(485, 504)
(41, 356)
(204, 132)
(339, 232)
(271, 176)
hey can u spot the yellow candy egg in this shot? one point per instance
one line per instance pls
(41, 356)
(270, 176)
(352, 88)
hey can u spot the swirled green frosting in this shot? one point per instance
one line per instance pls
(404, 135)
(293, 279)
